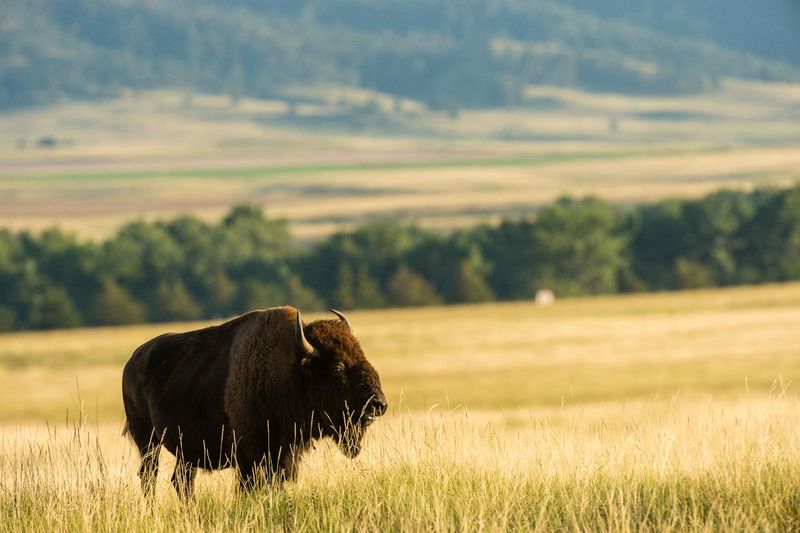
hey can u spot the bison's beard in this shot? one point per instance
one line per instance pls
(349, 439)
(349, 430)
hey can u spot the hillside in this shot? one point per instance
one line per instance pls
(448, 55)
(731, 23)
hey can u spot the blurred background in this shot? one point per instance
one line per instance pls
(191, 160)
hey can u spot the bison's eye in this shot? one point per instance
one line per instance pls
(338, 369)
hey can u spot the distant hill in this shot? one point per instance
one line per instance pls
(768, 28)
(447, 54)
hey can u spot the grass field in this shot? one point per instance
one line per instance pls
(658, 412)
(153, 156)
(664, 412)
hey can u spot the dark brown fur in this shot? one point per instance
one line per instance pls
(240, 395)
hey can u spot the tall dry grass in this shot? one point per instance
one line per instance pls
(661, 412)
(662, 465)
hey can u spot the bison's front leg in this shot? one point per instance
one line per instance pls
(289, 459)
(255, 466)
(251, 475)
(261, 460)
(274, 467)
(287, 470)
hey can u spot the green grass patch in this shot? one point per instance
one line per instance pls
(245, 173)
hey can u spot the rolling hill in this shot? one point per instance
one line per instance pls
(772, 30)
(448, 55)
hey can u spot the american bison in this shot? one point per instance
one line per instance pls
(252, 393)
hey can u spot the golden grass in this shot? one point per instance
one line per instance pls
(735, 99)
(661, 412)
(656, 412)
(491, 356)
(665, 466)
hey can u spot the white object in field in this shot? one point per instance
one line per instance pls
(545, 297)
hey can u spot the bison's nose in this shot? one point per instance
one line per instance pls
(379, 406)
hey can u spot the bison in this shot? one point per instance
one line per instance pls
(252, 393)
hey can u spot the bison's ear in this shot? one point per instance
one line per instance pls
(304, 348)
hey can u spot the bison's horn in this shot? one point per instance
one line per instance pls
(302, 343)
(341, 317)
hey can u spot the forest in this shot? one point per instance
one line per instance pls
(188, 269)
(446, 54)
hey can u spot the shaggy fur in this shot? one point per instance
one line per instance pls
(238, 395)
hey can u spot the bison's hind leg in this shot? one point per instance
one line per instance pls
(148, 469)
(183, 478)
(149, 446)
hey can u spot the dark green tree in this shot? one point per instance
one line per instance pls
(454, 264)
(54, 309)
(204, 271)
(578, 246)
(8, 318)
(342, 294)
(770, 249)
(257, 294)
(173, 302)
(470, 284)
(511, 249)
(692, 274)
(713, 234)
(246, 233)
(300, 296)
(349, 268)
(366, 291)
(408, 289)
(144, 258)
(65, 262)
(658, 237)
(112, 306)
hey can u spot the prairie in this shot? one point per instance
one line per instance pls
(153, 155)
(673, 412)
(647, 412)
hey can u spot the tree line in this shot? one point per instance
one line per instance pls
(187, 269)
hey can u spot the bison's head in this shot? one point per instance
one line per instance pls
(344, 387)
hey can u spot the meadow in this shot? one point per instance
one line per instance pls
(653, 412)
(647, 412)
(156, 155)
